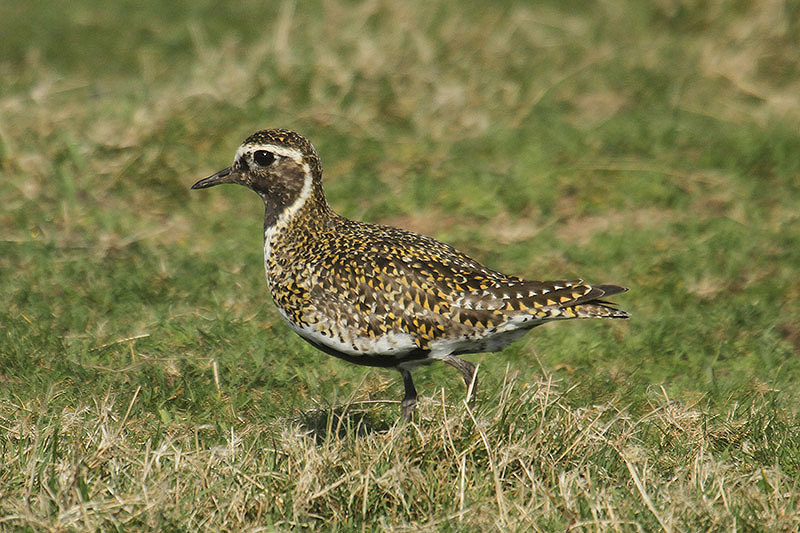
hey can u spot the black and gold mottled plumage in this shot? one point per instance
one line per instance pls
(381, 296)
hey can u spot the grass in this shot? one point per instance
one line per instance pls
(147, 382)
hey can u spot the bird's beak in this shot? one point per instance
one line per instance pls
(226, 175)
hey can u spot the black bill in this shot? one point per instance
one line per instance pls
(226, 175)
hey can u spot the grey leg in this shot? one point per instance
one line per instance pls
(468, 372)
(409, 402)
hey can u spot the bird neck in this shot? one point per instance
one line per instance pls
(308, 210)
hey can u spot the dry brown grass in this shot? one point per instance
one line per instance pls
(93, 467)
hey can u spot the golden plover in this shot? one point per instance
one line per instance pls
(382, 296)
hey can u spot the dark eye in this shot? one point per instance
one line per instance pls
(263, 158)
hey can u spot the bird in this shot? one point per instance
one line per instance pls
(381, 296)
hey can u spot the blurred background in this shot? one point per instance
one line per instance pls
(650, 144)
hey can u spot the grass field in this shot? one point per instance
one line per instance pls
(148, 383)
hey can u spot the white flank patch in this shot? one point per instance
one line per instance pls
(388, 343)
(395, 344)
(444, 347)
(441, 349)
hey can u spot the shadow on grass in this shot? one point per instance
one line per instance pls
(341, 422)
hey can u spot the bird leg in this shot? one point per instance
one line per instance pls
(468, 371)
(409, 402)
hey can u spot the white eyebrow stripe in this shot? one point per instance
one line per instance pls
(282, 151)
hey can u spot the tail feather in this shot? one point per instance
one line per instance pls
(592, 294)
(531, 302)
(610, 290)
(591, 306)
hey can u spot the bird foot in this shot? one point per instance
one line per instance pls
(407, 407)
